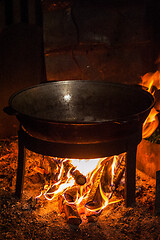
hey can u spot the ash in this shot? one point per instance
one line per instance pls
(31, 219)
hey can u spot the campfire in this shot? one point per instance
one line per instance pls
(84, 187)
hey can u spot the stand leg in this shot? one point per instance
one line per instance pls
(21, 167)
(130, 176)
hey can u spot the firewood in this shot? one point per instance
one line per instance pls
(119, 172)
(106, 160)
(81, 207)
(71, 214)
(96, 203)
(60, 204)
(66, 167)
(106, 176)
(70, 211)
(70, 194)
(96, 182)
(78, 177)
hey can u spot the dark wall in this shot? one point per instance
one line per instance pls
(21, 55)
(115, 40)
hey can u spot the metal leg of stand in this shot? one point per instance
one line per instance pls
(130, 176)
(21, 167)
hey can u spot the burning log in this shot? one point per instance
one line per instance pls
(71, 194)
(70, 211)
(102, 189)
(60, 204)
(94, 197)
(72, 215)
(112, 175)
(119, 172)
(96, 182)
(96, 204)
(80, 199)
(78, 177)
(106, 179)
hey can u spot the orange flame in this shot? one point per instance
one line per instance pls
(152, 82)
(150, 124)
(93, 195)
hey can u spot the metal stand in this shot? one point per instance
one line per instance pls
(21, 166)
(91, 150)
(130, 176)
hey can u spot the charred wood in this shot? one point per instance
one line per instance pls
(70, 194)
(119, 173)
(78, 177)
(96, 182)
(71, 214)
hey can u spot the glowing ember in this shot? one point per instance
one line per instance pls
(152, 82)
(85, 185)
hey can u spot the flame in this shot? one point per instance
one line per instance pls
(152, 82)
(150, 124)
(94, 194)
(113, 169)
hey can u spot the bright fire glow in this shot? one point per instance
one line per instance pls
(152, 82)
(86, 184)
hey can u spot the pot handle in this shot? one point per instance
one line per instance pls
(9, 110)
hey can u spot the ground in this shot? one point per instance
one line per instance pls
(27, 219)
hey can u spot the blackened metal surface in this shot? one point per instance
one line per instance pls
(21, 167)
(73, 150)
(130, 175)
(81, 111)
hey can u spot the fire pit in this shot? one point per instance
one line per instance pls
(81, 119)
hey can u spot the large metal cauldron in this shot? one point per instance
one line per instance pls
(80, 111)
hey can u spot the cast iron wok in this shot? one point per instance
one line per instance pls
(81, 111)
